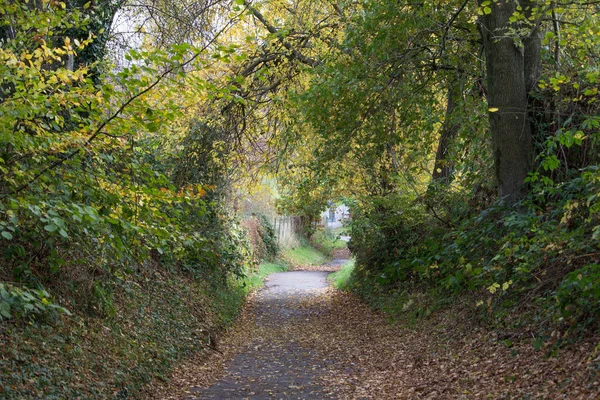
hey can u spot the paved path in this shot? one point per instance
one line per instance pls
(298, 339)
(274, 365)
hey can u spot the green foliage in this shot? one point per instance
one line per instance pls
(90, 189)
(341, 278)
(94, 214)
(542, 248)
(389, 237)
(262, 237)
(22, 302)
(579, 295)
(327, 240)
(267, 234)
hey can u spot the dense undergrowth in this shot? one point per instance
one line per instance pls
(533, 266)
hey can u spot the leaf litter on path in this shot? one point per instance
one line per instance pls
(320, 343)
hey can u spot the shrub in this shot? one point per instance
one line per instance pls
(579, 295)
(22, 302)
(262, 237)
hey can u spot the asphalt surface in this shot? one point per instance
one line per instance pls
(274, 365)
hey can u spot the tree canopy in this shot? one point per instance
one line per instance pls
(463, 134)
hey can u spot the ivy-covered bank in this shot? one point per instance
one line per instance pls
(155, 321)
(110, 334)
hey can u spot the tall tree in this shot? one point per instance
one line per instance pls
(511, 66)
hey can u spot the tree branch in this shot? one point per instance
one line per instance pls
(297, 55)
(98, 131)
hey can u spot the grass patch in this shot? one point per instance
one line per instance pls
(265, 269)
(305, 255)
(341, 278)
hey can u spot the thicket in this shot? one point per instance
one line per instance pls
(537, 260)
(262, 237)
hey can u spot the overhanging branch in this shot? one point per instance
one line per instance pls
(272, 29)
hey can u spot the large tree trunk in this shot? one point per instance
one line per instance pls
(507, 100)
(442, 169)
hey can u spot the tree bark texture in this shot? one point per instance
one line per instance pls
(507, 100)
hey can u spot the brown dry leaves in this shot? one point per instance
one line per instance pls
(444, 357)
(205, 367)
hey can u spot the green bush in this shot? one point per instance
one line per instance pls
(579, 295)
(543, 249)
(261, 237)
(390, 238)
(267, 234)
(22, 302)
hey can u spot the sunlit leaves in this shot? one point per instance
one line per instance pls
(86, 164)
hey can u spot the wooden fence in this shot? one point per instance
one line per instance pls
(288, 230)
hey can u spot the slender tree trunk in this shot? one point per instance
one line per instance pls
(507, 100)
(532, 48)
(442, 169)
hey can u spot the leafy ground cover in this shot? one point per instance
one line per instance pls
(446, 355)
(156, 322)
